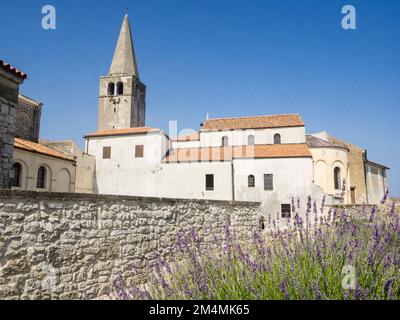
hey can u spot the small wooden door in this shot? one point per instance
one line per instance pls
(353, 195)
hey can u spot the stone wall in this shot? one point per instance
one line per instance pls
(28, 119)
(70, 246)
(7, 135)
(9, 89)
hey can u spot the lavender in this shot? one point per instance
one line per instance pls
(300, 262)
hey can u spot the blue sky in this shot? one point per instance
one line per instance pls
(225, 57)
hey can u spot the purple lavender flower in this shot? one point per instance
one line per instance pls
(385, 197)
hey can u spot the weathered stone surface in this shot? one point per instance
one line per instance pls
(58, 246)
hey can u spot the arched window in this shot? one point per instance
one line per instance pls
(16, 181)
(120, 88)
(111, 89)
(225, 141)
(251, 141)
(41, 178)
(251, 181)
(336, 174)
(277, 139)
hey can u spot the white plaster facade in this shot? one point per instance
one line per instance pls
(376, 182)
(60, 174)
(152, 176)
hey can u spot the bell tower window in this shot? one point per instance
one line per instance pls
(111, 89)
(120, 88)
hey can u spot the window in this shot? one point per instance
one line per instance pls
(268, 182)
(286, 210)
(106, 152)
(139, 151)
(41, 178)
(225, 141)
(111, 89)
(251, 181)
(251, 141)
(277, 139)
(16, 181)
(209, 182)
(120, 88)
(336, 175)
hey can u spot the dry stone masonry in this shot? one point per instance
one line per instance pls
(69, 246)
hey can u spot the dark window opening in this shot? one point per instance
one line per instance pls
(106, 152)
(268, 182)
(251, 181)
(277, 139)
(286, 210)
(16, 181)
(225, 141)
(139, 151)
(111, 89)
(41, 178)
(120, 88)
(251, 141)
(336, 174)
(209, 182)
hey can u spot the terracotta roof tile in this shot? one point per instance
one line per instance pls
(121, 132)
(245, 152)
(259, 122)
(39, 148)
(7, 67)
(187, 137)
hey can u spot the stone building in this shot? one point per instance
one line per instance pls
(26, 162)
(122, 98)
(41, 165)
(267, 159)
(336, 161)
(29, 114)
(10, 80)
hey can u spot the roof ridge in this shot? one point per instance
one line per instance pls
(261, 116)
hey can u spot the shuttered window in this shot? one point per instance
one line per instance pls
(209, 182)
(286, 210)
(139, 151)
(268, 182)
(106, 152)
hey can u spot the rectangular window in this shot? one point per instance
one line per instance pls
(209, 182)
(139, 151)
(106, 152)
(268, 182)
(286, 210)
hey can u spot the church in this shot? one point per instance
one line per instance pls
(268, 158)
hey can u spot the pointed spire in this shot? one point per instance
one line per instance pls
(124, 61)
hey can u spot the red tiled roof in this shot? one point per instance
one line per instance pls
(121, 132)
(240, 152)
(39, 148)
(258, 122)
(187, 137)
(7, 67)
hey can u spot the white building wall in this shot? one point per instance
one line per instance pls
(124, 174)
(376, 183)
(292, 178)
(262, 136)
(188, 181)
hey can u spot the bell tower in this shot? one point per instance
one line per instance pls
(122, 98)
